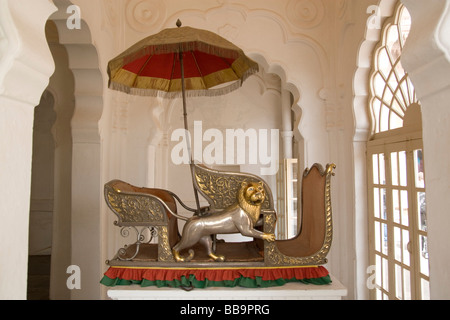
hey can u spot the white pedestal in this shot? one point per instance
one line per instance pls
(289, 291)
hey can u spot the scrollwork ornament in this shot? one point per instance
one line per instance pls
(305, 13)
(145, 15)
(125, 231)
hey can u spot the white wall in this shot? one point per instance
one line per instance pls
(25, 67)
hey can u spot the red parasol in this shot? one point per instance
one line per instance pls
(181, 61)
(155, 65)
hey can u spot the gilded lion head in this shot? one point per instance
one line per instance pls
(253, 192)
(250, 198)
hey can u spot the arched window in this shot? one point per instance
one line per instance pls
(392, 90)
(396, 187)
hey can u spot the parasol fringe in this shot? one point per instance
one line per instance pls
(175, 94)
(250, 71)
(189, 93)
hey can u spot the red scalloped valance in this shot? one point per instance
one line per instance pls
(208, 277)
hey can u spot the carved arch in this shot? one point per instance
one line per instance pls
(86, 157)
(361, 132)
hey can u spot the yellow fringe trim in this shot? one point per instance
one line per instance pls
(130, 79)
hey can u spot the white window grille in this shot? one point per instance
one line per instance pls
(396, 188)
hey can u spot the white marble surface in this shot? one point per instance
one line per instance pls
(289, 291)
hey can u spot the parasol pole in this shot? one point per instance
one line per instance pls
(183, 92)
(188, 140)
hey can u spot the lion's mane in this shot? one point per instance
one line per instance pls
(252, 210)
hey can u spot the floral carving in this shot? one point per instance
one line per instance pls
(135, 208)
(221, 188)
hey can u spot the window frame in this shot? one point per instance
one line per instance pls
(395, 140)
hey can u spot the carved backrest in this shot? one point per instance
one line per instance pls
(316, 228)
(313, 242)
(145, 207)
(138, 206)
(220, 188)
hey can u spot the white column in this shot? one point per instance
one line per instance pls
(86, 187)
(25, 67)
(426, 58)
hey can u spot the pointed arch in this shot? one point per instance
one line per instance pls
(361, 133)
(391, 90)
(396, 190)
